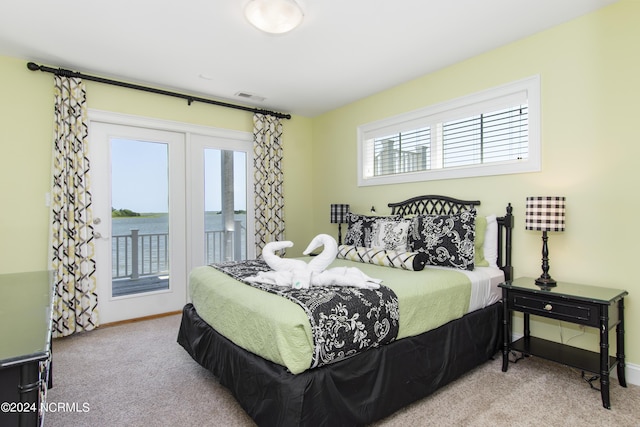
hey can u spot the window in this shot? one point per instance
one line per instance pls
(488, 133)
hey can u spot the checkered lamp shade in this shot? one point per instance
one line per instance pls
(545, 213)
(339, 213)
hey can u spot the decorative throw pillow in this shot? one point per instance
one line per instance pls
(390, 234)
(448, 240)
(397, 259)
(360, 228)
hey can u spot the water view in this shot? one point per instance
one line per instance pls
(148, 254)
(159, 223)
(140, 242)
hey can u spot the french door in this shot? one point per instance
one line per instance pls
(221, 202)
(167, 197)
(140, 220)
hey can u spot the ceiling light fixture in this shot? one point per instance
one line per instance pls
(274, 16)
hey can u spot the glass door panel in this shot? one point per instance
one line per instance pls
(221, 198)
(139, 217)
(225, 202)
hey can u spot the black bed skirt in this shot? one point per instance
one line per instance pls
(356, 391)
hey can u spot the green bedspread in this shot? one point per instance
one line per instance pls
(278, 329)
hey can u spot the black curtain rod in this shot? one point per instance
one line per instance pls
(68, 73)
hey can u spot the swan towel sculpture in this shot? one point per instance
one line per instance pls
(297, 274)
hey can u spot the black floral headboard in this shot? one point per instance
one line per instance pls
(443, 205)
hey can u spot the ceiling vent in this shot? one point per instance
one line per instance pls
(250, 96)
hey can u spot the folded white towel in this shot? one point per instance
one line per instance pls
(300, 279)
(300, 275)
(303, 279)
(320, 262)
(345, 276)
(277, 263)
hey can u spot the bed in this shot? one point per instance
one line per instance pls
(374, 383)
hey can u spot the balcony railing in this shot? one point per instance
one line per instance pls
(136, 255)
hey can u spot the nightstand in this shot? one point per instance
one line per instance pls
(592, 306)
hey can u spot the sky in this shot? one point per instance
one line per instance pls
(139, 178)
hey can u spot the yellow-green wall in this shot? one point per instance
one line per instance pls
(26, 132)
(590, 91)
(590, 88)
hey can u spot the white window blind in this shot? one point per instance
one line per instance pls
(493, 132)
(402, 152)
(495, 136)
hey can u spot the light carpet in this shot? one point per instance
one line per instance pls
(136, 374)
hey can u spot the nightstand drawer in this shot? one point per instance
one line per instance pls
(571, 311)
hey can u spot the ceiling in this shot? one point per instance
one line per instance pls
(344, 50)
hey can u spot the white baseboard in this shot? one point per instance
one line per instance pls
(631, 372)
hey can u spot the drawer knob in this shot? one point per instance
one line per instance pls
(548, 307)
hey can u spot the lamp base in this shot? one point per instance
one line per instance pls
(546, 282)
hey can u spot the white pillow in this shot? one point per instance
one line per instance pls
(390, 235)
(490, 245)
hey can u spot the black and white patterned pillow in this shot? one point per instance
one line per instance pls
(397, 259)
(360, 228)
(390, 235)
(448, 240)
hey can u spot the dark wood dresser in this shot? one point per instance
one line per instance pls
(26, 303)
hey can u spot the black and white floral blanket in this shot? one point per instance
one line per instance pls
(344, 320)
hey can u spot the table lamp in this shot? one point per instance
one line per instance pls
(545, 213)
(339, 216)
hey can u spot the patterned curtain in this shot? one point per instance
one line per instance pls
(71, 229)
(268, 178)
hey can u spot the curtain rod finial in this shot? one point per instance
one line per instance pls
(33, 66)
